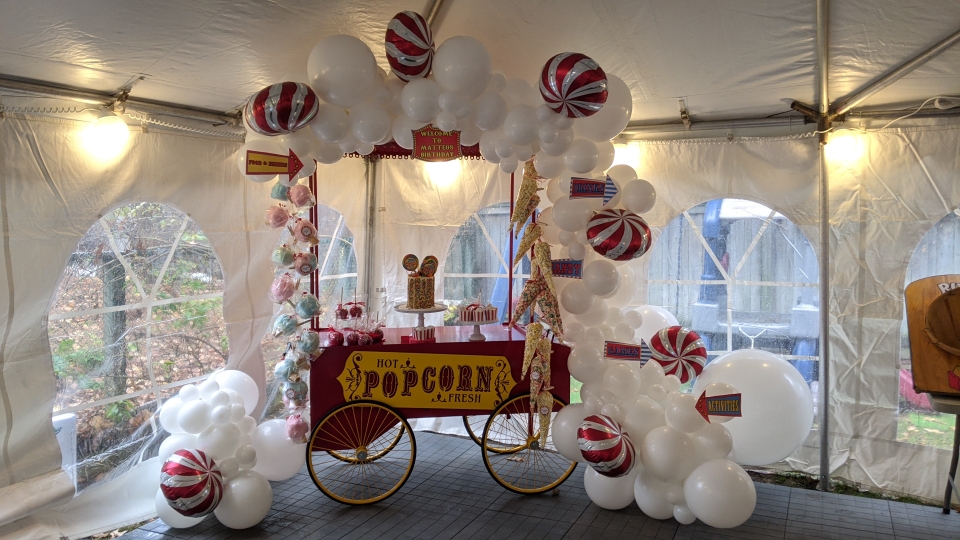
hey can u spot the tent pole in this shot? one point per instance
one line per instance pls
(432, 13)
(370, 236)
(823, 65)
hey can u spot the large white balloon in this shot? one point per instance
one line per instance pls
(612, 117)
(241, 383)
(582, 156)
(168, 415)
(777, 405)
(601, 277)
(490, 110)
(369, 122)
(621, 379)
(681, 412)
(549, 167)
(171, 517)
(219, 442)
(639, 196)
(342, 70)
(585, 364)
(641, 416)
(278, 458)
(564, 431)
(462, 65)
(720, 493)
(668, 453)
(419, 100)
(610, 493)
(246, 500)
(520, 124)
(571, 215)
(575, 298)
(648, 496)
(330, 124)
(518, 91)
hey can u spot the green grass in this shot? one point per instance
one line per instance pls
(575, 391)
(928, 428)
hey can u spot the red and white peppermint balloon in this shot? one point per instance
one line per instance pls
(680, 351)
(605, 446)
(573, 85)
(618, 235)
(409, 45)
(191, 483)
(281, 108)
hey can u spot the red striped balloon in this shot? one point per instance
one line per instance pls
(281, 108)
(409, 44)
(680, 351)
(618, 235)
(605, 446)
(573, 85)
(191, 483)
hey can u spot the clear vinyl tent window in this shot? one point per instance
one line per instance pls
(742, 276)
(337, 277)
(937, 253)
(137, 314)
(478, 259)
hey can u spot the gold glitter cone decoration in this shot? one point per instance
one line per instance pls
(530, 346)
(531, 206)
(522, 207)
(541, 400)
(530, 235)
(541, 252)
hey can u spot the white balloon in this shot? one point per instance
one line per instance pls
(585, 363)
(559, 145)
(575, 298)
(614, 317)
(364, 149)
(683, 514)
(342, 70)
(520, 124)
(509, 164)
(402, 130)
(582, 156)
(220, 415)
(246, 456)
(241, 383)
(349, 143)
(518, 91)
(179, 441)
(168, 415)
(777, 404)
(446, 121)
(681, 413)
(548, 166)
(712, 441)
(505, 148)
(564, 431)
(462, 65)
(395, 86)
(595, 315)
(217, 398)
(610, 120)
(648, 497)
(639, 196)
(208, 388)
(328, 153)
(570, 214)
(246, 500)
(566, 237)
(278, 458)
(469, 132)
(601, 277)
(488, 145)
(607, 331)
(219, 442)
(497, 81)
(330, 124)
(652, 374)
(633, 318)
(194, 416)
(237, 412)
(578, 251)
(720, 493)
(269, 146)
(450, 101)
(640, 416)
(654, 319)
(668, 453)
(610, 493)
(593, 337)
(622, 173)
(229, 467)
(671, 383)
(574, 332)
(247, 425)
(592, 404)
(621, 379)
(169, 516)
(490, 110)
(369, 122)
(419, 99)
(612, 410)
(605, 155)
(623, 332)
(547, 133)
(657, 393)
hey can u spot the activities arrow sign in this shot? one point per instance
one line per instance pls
(588, 188)
(265, 163)
(724, 405)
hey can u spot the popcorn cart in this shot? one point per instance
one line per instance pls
(362, 450)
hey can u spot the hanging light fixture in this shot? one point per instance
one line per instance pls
(106, 137)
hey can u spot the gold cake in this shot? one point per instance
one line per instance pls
(420, 292)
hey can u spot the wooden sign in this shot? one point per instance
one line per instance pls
(267, 164)
(431, 144)
(933, 316)
(427, 381)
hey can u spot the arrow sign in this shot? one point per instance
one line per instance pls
(568, 268)
(627, 351)
(725, 405)
(588, 188)
(265, 163)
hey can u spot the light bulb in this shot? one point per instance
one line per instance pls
(443, 173)
(844, 147)
(106, 138)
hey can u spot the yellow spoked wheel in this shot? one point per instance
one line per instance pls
(474, 425)
(361, 452)
(512, 451)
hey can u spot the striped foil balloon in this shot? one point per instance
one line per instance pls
(680, 351)
(573, 85)
(409, 44)
(605, 446)
(281, 108)
(191, 483)
(618, 235)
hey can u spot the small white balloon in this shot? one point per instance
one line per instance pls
(236, 412)
(605, 156)
(220, 415)
(189, 393)
(369, 122)
(246, 500)
(614, 316)
(610, 493)
(612, 410)
(600, 277)
(208, 388)
(681, 412)
(489, 111)
(497, 81)
(623, 332)
(575, 298)
(566, 238)
(446, 121)
(574, 331)
(585, 364)
(657, 393)
(671, 383)
(578, 251)
(581, 157)
(668, 453)
(419, 99)
(639, 196)
(560, 145)
(712, 441)
(621, 379)
(641, 416)
(219, 442)
(520, 124)
(647, 494)
(509, 164)
(246, 455)
(504, 148)
(683, 514)
(634, 319)
(548, 133)
(194, 416)
(718, 476)
(217, 399)
(564, 431)
(168, 415)
(593, 404)
(229, 467)
(330, 124)
(548, 166)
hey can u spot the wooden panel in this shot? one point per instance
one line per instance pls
(933, 367)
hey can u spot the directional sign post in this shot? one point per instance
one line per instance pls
(588, 188)
(729, 405)
(627, 351)
(267, 164)
(568, 268)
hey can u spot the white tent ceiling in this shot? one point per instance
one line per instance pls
(737, 58)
